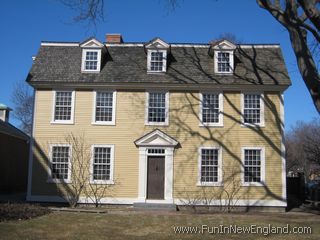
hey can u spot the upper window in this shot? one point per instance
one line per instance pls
(102, 164)
(91, 60)
(157, 60)
(210, 166)
(223, 61)
(63, 106)
(157, 108)
(60, 163)
(104, 112)
(223, 52)
(253, 165)
(211, 109)
(253, 109)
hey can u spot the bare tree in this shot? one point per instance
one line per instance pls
(90, 11)
(227, 36)
(96, 192)
(303, 147)
(22, 99)
(301, 18)
(79, 168)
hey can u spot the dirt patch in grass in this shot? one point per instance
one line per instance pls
(21, 211)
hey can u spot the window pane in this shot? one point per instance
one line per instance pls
(156, 61)
(60, 162)
(91, 61)
(252, 165)
(210, 108)
(157, 107)
(101, 163)
(104, 105)
(63, 106)
(209, 165)
(223, 62)
(252, 108)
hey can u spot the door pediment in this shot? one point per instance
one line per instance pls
(156, 138)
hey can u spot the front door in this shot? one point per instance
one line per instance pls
(155, 184)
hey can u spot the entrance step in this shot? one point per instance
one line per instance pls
(155, 206)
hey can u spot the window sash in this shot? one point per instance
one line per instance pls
(91, 60)
(156, 61)
(63, 106)
(104, 107)
(157, 107)
(209, 166)
(210, 108)
(223, 62)
(252, 108)
(60, 158)
(252, 165)
(101, 169)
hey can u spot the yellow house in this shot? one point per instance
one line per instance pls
(154, 122)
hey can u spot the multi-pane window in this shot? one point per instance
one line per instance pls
(209, 165)
(91, 60)
(63, 106)
(157, 107)
(223, 62)
(252, 165)
(252, 108)
(210, 108)
(60, 160)
(104, 107)
(101, 166)
(157, 61)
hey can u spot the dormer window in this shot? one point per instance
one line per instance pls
(91, 60)
(91, 55)
(157, 60)
(157, 51)
(223, 62)
(223, 52)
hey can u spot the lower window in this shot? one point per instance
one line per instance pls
(210, 166)
(253, 165)
(60, 162)
(102, 164)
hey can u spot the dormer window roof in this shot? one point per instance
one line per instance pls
(157, 52)
(91, 55)
(223, 52)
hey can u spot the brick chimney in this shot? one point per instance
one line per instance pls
(114, 38)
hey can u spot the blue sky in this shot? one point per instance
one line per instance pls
(24, 24)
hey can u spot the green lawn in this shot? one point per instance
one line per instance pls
(151, 225)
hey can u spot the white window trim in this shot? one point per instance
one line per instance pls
(55, 180)
(164, 66)
(220, 174)
(262, 169)
(146, 120)
(231, 58)
(111, 181)
(71, 121)
(114, 100)
(83, 61)
(218, 124)
(262, 121)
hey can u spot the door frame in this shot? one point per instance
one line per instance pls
(144, 152)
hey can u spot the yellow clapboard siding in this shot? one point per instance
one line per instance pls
(183, 126)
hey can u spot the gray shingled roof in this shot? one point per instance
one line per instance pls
(186, 65)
